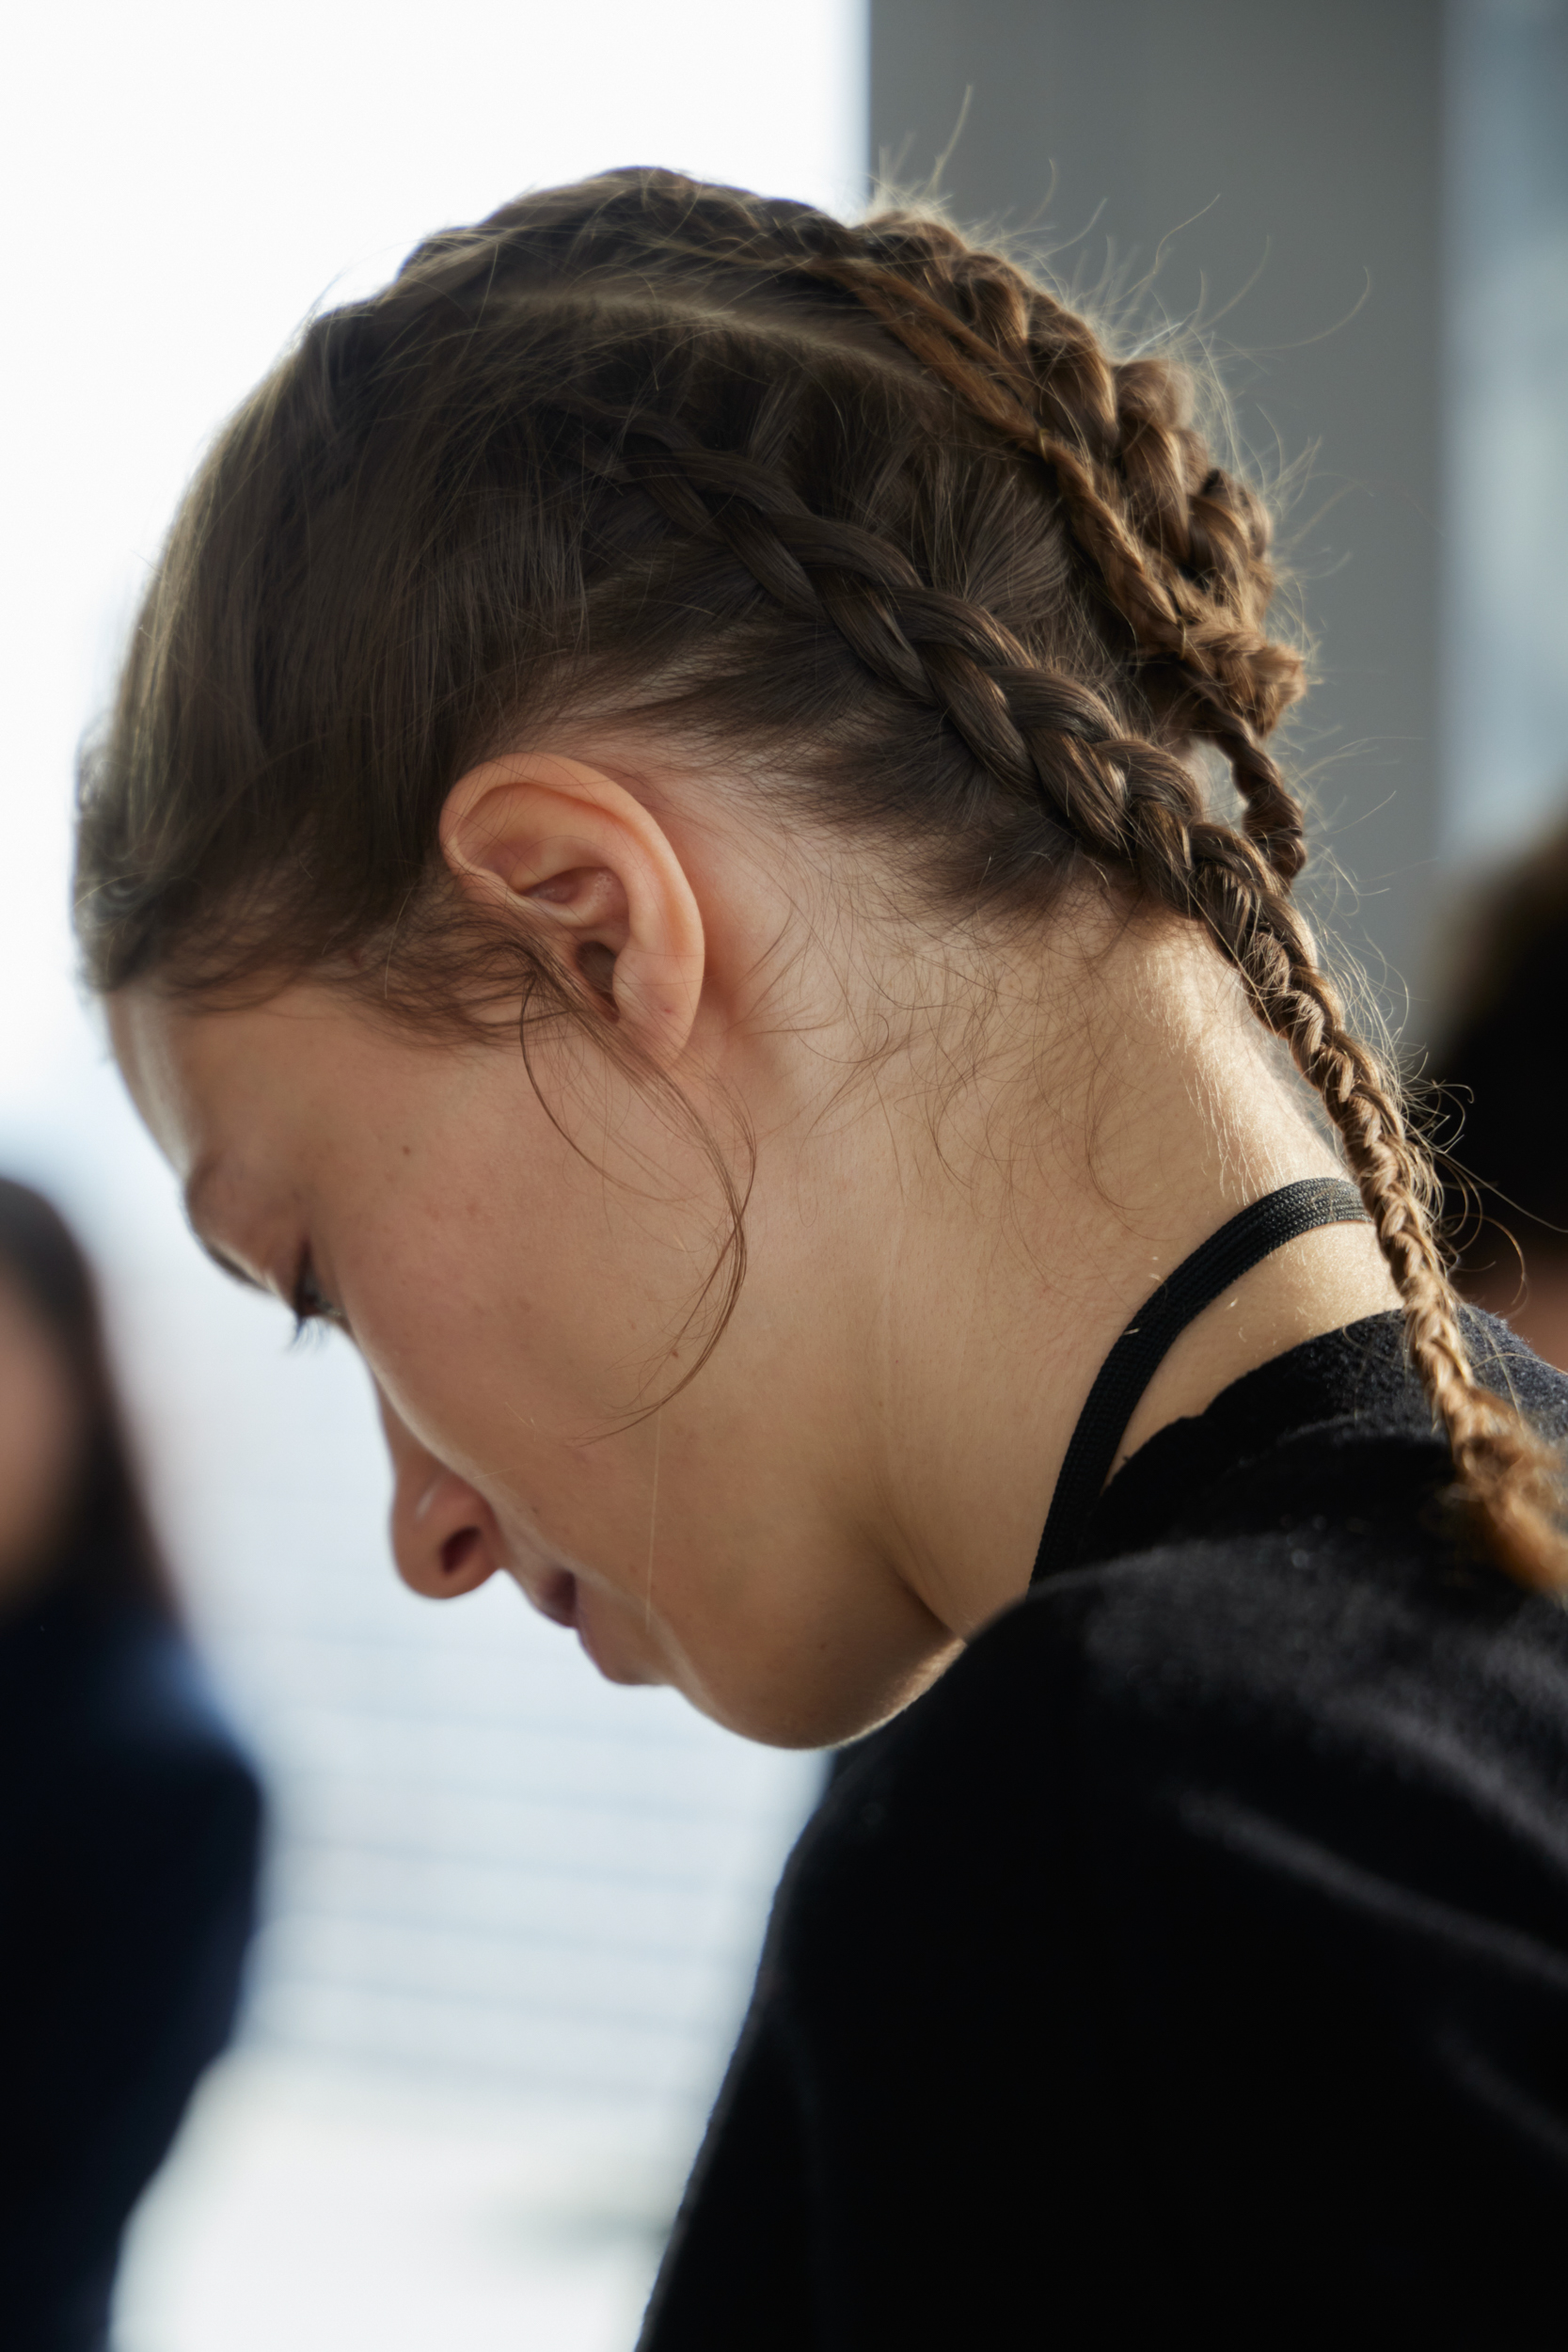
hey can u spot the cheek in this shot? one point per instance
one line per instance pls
(517, 1328)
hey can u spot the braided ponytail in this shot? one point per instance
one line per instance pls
(1181, 534)
(1508, 1481)
(867, 498)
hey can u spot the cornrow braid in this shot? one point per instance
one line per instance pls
(866, 493)
(1114, 452)
(1178, 544)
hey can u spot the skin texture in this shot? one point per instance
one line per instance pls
(973, 1159)
(40, 1439)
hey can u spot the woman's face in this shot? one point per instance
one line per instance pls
(515, 1292)
(40, 1437)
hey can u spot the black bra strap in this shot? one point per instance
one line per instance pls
(1266, 1226)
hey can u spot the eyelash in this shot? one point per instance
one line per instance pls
(310, 1302)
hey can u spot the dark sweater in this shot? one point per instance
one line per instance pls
(129, 1826)
(1194, 1957)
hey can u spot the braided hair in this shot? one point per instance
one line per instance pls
(869, 499)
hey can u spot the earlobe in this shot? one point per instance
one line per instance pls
(554, 843)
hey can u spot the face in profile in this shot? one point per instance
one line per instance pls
(41, 1442)
(515, 1305)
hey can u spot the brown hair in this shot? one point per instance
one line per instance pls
(866, 499)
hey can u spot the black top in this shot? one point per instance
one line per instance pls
(1251, 1235)
(129, 1825)
(1194, 1955)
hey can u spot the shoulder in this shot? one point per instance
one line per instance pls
(1282, 1647)
(1340, 1674)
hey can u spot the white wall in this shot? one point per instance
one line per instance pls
(493, 1874)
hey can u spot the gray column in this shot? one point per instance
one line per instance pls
(1505, 666)
(1277, 170)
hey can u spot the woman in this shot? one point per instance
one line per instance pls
(128, 1819)
(652, 864)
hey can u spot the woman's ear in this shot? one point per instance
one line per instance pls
(557, 843)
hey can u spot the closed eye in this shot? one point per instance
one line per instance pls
(310, 1302)
(226, 1265)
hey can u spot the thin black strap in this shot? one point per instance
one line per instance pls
(1266, 1226)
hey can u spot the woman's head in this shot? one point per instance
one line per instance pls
(69, 1508)
(650, 529)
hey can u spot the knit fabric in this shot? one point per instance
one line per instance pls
(1195, 1952)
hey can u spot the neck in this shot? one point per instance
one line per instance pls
(1164, 1116)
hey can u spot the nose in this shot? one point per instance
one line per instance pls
(445, 1540)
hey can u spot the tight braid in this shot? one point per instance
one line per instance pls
(1176, 545)
(1509, 1482)
(1177, 562)
(1039, 732)
(1125, 800)
(1178, 542)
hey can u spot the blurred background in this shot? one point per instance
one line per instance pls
(511, 1912)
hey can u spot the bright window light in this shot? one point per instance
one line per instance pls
(512, 1911)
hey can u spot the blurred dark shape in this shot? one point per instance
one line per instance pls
(128, 1820)
(1505, 1070)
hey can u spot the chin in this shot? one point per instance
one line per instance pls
(784, 1716)
(757, 1697)
(611, 1653)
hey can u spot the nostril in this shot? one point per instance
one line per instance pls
(458, 1550)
